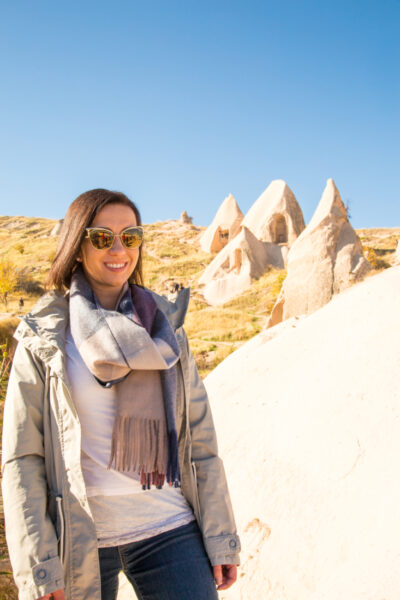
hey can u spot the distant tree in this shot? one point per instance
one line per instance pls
(8, 279)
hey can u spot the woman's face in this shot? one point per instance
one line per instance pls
(108, 270)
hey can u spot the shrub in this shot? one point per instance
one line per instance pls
(25, 283)
(377, 263)
(8, 278)
(7, 328)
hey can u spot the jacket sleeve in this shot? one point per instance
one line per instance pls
(217, 521)
(30, 533)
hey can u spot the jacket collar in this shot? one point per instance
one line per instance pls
(43, 330)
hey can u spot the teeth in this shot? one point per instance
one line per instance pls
(115, 266)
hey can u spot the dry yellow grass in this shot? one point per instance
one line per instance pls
(380, 246)
(7, 327)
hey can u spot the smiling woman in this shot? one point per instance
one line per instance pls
(108, 268)
(110, 459)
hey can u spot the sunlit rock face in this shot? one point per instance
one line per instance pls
(57, 228)
(308, 422)
(275, 216)
(325, 259)
(224, 227)
(234, 269)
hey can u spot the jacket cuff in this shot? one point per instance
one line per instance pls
(223, 549)
(47, 577)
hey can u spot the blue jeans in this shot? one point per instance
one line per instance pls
(169, 566)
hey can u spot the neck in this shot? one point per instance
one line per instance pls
(108, 298)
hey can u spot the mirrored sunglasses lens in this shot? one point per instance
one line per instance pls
(101, 239)
(132, 238)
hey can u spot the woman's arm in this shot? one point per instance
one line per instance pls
(217, 520)
(31, 537)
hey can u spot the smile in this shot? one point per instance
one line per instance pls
(115, 265)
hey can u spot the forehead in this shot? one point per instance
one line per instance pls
(115, 217)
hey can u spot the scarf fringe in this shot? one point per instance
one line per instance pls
(140, 445)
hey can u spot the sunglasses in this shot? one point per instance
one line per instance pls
(103, 239)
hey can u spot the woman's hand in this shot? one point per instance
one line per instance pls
(58, 595)
(225, 576)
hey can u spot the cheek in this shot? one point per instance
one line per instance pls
(89, 258)
(135, 257)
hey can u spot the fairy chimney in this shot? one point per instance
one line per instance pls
(276, 216)
(325, 260)
(234, 269)
(57, 228)
(186, 219)
(224, 227)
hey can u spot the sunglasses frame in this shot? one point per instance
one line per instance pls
(115, 235)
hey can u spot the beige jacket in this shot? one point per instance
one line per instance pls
(50, 530)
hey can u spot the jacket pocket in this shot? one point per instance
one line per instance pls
(196, 507)
(60, 528)
(56, 513)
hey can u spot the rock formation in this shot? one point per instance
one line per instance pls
(398, 251)
(225, 226)
(326, 259)
(308, 426)
(186, 219)
(275, 216)
(236, 266)
(57, 228)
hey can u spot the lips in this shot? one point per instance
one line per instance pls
(115, 266)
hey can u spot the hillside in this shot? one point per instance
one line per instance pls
(172, 254)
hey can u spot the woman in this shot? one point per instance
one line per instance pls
(109, 451)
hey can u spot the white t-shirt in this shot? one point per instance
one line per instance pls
(123, 512)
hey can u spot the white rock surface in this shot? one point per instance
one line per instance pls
(324, 260)
(237, 265)
(57, 228)
(276, 216)
(398, 251)
(309, 429)
(224, 227)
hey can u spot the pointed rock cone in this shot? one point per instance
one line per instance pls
(225, 226)
(326, 259)
(234, 269)
(275, 216)
(57, 228)
(309, 431)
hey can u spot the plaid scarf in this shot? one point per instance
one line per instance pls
(134, 349)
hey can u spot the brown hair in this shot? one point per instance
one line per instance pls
(80, 215)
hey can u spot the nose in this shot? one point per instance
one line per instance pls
(117, 245)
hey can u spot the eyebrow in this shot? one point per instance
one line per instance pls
(109, 228)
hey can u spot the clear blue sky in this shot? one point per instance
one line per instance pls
(178, 104)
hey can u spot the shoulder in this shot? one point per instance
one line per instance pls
(174, 311)
(47, 321)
